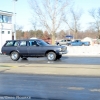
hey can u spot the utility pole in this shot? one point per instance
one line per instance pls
(14, 18)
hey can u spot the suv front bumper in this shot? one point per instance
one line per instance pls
(63, 52)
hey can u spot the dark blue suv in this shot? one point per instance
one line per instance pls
(32, 48)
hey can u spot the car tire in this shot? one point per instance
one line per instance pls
(59, 56)
(15, 56)
(57, 43)
(51, 56)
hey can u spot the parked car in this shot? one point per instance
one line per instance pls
(79, 43)
(63, 42)
(32, 48)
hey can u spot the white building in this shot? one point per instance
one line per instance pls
(5, 27)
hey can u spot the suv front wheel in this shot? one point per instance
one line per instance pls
(15, 56)
(51, 56)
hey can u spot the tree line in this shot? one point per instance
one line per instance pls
(20, 34)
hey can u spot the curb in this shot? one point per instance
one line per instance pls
(81, 55)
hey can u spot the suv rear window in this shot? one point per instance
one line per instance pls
(9, 43)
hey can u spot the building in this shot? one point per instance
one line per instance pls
(5, 27)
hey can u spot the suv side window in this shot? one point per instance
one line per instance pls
(16, 43)
(9, 43)
(33, 43)
(23, 43)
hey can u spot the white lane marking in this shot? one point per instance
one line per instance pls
(95, 90)
(75, 88)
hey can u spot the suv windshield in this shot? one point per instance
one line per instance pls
(42, 43)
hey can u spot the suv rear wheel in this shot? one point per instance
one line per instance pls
(51, 56)
(15, 56)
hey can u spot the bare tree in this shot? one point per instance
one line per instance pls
(39, 34)
(95, 13)
(74, 25)
(34, 24)
(61, 34)
(49, 14)
(46, 35)
(19, 32)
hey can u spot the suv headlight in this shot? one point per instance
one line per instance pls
(60, 49)
(63, 49)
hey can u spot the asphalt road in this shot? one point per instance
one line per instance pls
(63, 60)
(49, 87)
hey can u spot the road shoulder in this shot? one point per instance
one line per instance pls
(51, 69)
